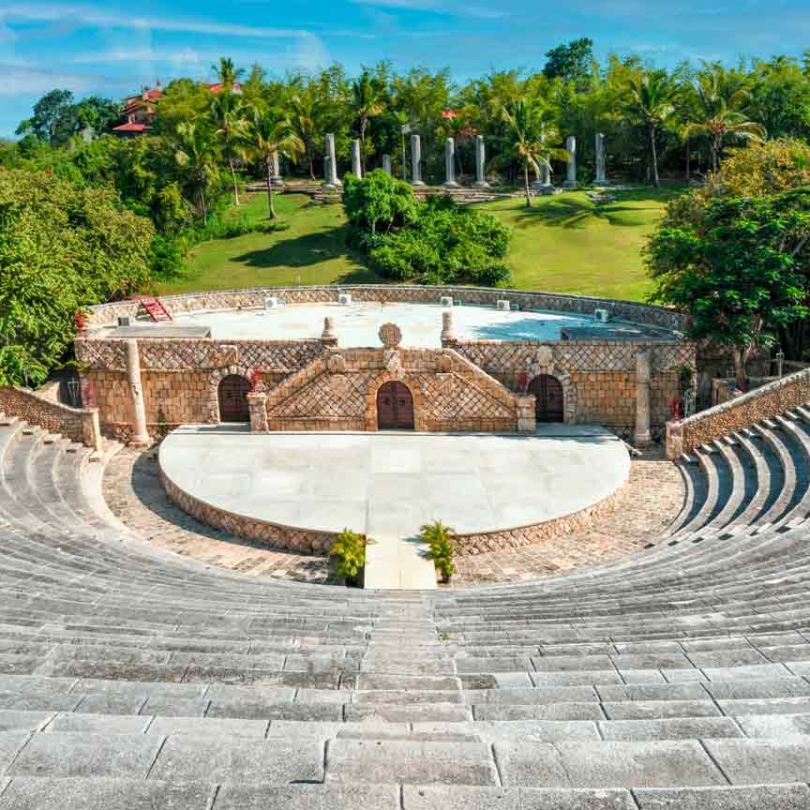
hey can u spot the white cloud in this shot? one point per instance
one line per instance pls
(438, 6)
(18, 79)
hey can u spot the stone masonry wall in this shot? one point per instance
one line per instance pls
(80, 425)
(742, 412)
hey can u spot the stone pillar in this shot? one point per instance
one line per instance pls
(448, 336)
(480, 163)
(140, 435)
(275, 171)
(416, 161)
(601, 168)
(571, 175)
(257, 403)
(450, 164)
(331, 178)
(643, 374)
(357, 166)
(526, 414)
(543, 183)
(329, 334)
(386, 164)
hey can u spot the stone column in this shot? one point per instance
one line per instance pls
(601, 169)
(526, 414)
(543, 183)
(386, 164)
(331, 178)
(329, 334)
(257, 404)
(480, 163)
(571, 175)
(275, 171)
(416, 161)
(450, 164)
(448, 336)
(643, 374)
(357, 166)
(140, 435)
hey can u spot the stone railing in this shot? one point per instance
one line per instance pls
(627, 311)
(738, 413)
(80, 425)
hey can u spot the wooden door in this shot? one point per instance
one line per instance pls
(394, 407)
(233, 404)
(548, 398)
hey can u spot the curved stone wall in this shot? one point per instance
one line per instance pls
(628, 311)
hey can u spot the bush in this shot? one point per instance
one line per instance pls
(349, 550)
(378, 201)
(442, 543)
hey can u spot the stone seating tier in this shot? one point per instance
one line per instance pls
(678, 677)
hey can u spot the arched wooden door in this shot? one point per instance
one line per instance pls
(548, 398)
(394, 407)
(233, 404)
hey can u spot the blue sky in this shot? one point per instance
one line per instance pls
(114, 48)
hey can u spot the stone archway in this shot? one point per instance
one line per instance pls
(232, 394)
(395, 408)
(549, 398)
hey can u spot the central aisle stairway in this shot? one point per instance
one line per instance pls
(676, 678)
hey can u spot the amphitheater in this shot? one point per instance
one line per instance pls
(136, 673)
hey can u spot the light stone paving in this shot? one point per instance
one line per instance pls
(390, 484)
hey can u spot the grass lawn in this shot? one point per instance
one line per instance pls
(563, 243)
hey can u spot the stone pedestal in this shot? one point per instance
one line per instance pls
(416, 161)
(571, 170)
(140, 435)
(526, 415)
(450, 164)
(543, 184)
(357, 166)
(601, 166)
(448, 336)
(480, 163)
(386, 164)
(331, 167)
(257, 403)
(329, 334)
(643, 375)
(276, 179)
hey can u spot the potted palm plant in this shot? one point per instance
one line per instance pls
(441, 541)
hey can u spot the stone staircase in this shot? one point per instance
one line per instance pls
(675, 678)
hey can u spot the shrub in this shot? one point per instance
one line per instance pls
(378, 200)
(442, 543)
(349, 550)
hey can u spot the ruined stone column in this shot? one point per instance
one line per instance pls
(275, 171)
(450, 163)
(331, 178)
(140, 435)
(416, 161)
(526, 414)
(643, 375)
(386, 164)
(480, 163)
(571, 175)
(601, 167)
(257, 404)
(357, 166)
(329, 335)
(448, 336)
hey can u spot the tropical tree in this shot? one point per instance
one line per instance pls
(367, 102)
(648, 97)
(231, 119)
(306, 109)
(529, 133)
(227, 73)
(197, 151)
(274, 136)
(721, 98)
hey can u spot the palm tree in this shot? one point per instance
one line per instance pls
(529, 131)
(227, 73)
(367, 101)
(306, 109)
(231, 119)
(273, 136)
(721, 94)
(197, 150)
(648, 95)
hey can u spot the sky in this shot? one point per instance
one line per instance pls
(114, 48)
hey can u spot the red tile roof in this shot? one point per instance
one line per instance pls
(132, 127)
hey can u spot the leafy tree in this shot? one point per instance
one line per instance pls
(780, 98)
(649, 97)
(274, 136)
(762, 169)
(96, 113)
(378, 201)
(230, 118)
(307, 117)
(62, 248)
(570, 62)
(198, 153)
(738, 270)
(52, 120)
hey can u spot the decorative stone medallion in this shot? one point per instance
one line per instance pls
(390, 335)
(545, 355)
